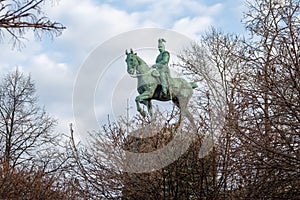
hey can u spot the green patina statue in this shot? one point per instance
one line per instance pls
(156, 83)
(161, 65)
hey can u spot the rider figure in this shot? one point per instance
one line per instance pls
(162, 61)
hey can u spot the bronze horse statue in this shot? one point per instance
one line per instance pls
(180, 91)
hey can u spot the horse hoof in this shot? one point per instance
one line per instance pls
(143, 114)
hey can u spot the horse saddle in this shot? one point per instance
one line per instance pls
(155, 73)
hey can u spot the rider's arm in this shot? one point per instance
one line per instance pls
(165, 58)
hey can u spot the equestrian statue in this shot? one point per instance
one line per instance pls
(156, 83)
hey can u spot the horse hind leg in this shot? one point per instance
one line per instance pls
(182, 103)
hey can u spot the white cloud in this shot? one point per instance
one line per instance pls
(54, 83)
(13, 56)
(89, 24)
(192, 26)
(48, 73)
(165, 13)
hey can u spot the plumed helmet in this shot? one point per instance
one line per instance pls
(161, 40)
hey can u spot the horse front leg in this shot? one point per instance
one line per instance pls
(138, 106)
(143, 98)
(149, 106)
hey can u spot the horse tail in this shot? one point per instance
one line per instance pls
(193, 85)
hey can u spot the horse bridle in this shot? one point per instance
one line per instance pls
(137, 75)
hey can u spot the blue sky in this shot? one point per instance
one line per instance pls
(54, 64)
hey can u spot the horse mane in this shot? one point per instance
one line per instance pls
(141, 61)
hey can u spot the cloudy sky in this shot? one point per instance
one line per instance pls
(55, 64)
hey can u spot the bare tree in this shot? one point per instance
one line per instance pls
(18, 16)
(268, 124)
(259, 144)
(25, 127)
(215, 62)
(101, 169)
(33, 160)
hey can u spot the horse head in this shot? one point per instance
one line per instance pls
(132, 61)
